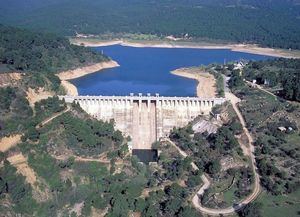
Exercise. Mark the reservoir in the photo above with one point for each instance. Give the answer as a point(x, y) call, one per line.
point(147, 70)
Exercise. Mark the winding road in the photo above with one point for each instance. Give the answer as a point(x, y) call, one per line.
point(206, 183)
point(46, 121)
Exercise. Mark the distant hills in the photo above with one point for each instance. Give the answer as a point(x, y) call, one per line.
point(272, 23)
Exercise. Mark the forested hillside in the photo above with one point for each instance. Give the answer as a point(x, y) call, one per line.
point(37, 58)
point(269, 23)
point(28, 51)
point(64, 162)
point(282, 74)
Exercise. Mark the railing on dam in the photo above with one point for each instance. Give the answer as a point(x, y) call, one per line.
point(147, 98)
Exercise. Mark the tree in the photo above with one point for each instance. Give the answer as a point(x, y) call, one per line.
point(188, 211)
point(213, 167)
point(140, 204)
point(236, 80)
point(251, 210)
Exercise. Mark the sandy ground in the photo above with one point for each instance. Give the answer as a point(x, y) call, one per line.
point(71, 89)
point(246, 48)
point(79, 72)
point(206, 82)
point(95, 43)
point(98, 212)
point(7, 79)
point(8, 142)
point(34, 96)
point(21, 164)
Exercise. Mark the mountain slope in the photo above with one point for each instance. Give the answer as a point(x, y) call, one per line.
point(272, 23)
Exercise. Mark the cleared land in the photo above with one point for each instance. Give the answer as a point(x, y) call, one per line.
point(7, 79)
point(20, 162)
point(34, 96)
point(8, 142)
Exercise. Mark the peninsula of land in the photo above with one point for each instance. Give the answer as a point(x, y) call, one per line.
point(246, 48)
point(65, 76)
point(206, 87)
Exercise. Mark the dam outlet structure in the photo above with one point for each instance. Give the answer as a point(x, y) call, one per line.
point(148, 118)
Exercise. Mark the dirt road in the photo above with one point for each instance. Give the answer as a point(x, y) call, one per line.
point(52, 117)
point(206, 183)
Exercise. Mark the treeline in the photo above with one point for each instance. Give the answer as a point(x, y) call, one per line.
point(29, 51)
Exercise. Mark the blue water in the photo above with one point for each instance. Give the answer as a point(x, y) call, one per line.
point(147, 70)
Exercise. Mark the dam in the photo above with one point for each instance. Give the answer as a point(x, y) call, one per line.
point(147, 118)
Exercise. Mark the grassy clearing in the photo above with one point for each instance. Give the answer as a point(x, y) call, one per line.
point(293, 140)
point(218, 187)
point(279, 206)
point(229, 196)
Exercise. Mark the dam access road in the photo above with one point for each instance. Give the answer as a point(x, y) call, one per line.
point(206, 182)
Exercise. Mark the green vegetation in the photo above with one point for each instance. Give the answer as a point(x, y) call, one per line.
point(275, 124)
point(83, 166)
point(276, 151)
point(251, 210)
point(20, 193)
point(282, 74)
point(39, 56)
point(206, 151)
point(230, 187)
point(219, 83)
point(86, 136)
point(14, 111)
point(279, 205)
point(116, 185)
point(27, 51)
point(268, 23)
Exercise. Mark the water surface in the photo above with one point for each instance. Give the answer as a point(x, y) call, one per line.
point(147, 70)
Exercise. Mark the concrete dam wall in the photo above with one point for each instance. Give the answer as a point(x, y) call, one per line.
point(145, 118)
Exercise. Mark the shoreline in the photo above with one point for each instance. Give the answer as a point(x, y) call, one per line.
point(205, 86)
point(246, 48)
point(65, 76)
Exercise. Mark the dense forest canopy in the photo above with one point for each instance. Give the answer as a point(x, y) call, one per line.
point(281, 73)
point(269, 23)
point(28, 51)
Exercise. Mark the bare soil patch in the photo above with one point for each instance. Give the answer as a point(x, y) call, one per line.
point(8, 142)
point(21, 164)
point(37, 95)
point(10, 79)
point(79, 72)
